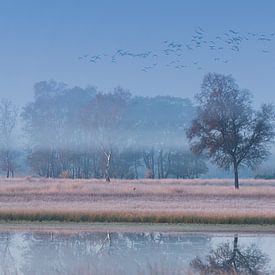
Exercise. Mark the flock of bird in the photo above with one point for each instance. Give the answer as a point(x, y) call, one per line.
point(175, 55)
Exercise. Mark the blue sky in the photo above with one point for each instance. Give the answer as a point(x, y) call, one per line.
point(43, 40)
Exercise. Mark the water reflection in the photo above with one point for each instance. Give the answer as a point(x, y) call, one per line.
point(233, 259)
point(128, 253)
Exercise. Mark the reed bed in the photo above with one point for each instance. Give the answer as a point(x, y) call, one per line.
point(202, 201)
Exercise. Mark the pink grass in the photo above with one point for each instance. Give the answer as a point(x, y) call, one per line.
point(156, 200)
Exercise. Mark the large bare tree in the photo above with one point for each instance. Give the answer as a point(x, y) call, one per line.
point(227, 127)
point(233, 259)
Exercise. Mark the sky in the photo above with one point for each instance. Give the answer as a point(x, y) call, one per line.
point(149, 47)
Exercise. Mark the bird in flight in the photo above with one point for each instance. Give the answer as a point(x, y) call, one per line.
point(225, 44)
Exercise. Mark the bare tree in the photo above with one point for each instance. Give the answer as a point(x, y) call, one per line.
point(102, 117)
point(184, 164)
point(233, 259)
point(149, 161)
point(8, 118)
point(227, 127)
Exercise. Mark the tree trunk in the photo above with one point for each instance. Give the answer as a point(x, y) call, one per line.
point(8, 164)
point(136, 169)
point(107, 168)
point(236, 173)
point(160, 165)
point(153, 163)
point(234, 254)
point(168, 165)
point(235, 246)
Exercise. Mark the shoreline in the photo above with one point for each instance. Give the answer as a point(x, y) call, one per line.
point(135, 217)
point(73, 228)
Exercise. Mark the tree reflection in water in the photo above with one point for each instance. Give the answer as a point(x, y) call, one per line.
point(124, 253)
point(98, 252)
point(233, 259)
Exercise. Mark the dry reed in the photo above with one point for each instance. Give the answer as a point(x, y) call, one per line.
point(152, 201)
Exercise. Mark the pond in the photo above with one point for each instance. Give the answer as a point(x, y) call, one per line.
point(135, 253)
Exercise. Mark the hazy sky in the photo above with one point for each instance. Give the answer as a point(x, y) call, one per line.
point(43, 40)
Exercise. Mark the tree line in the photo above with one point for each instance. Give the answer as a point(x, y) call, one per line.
point(84, 133)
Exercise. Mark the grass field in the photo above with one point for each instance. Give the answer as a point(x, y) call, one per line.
point(151, 201)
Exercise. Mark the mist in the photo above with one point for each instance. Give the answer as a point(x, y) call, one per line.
point(70, 131)
point(63, 71)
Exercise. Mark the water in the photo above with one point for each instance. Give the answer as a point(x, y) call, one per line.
point(135, 253)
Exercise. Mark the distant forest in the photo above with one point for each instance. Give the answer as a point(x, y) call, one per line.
point(84, 133)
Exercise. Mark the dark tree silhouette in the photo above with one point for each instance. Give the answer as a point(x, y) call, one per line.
point(227, 128)
point(232, 259)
